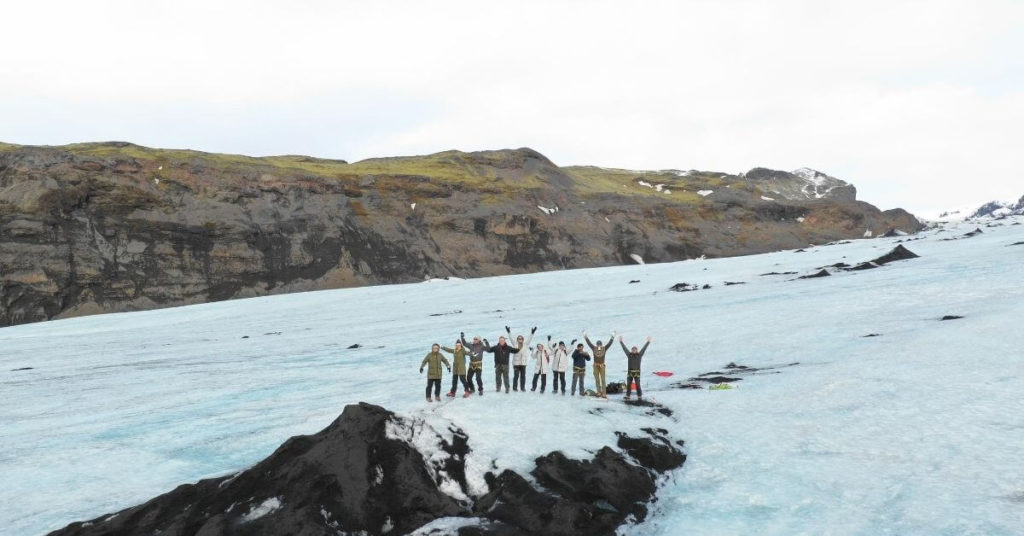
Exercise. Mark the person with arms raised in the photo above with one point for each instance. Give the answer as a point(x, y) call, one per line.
point(501, 352)
point(579, 368)
point(519, 361)
point(476, 362)
point(600, 350)
point(633, 357)
point(459, 364)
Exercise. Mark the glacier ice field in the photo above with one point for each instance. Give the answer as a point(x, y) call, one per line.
point(918, 430)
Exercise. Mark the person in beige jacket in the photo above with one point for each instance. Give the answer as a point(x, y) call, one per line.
point(599, 350)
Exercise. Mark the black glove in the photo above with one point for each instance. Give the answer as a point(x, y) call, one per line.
point(462, 334)
point(549, 337)
point(533, 330)
point(508, 330)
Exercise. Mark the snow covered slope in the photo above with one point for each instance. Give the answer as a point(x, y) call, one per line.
point(918, 430)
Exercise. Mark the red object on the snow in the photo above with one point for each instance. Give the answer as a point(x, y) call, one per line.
point(664, 373)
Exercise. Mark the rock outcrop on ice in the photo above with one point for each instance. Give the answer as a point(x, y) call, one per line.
point(373, 472)
point(106, 227)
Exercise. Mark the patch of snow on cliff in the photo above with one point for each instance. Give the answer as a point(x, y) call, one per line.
point(767, 198)
point(424, 438)
point(268, 506)
point(412, 206)
point(548, 211)
point(447, 525)
point(868, 233)
point(637, 258)
point(705, 193)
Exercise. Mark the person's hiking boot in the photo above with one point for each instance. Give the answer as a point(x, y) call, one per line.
point(466, 394)
point(451, 394)
point(506, 390)
point(627, 397)
point(430, 399)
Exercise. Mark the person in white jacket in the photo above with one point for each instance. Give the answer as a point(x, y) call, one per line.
point(519, 360)
point(540, 369)
point(559, 364)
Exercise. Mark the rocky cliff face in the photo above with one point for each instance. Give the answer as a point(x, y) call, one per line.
point(93, 228)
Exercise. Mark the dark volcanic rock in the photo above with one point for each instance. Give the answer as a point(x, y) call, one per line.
point(361, 475)
point(349, 477)
point(687, 287)
point(715, 379)
point(822, 273)
point(951, 317)
point(779, 273)
point(651, 408)
point(898, 253)
point(608, 478)
point(659, 455)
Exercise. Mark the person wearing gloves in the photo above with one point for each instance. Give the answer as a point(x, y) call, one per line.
point(600, 350)
point(433, 363)
point(459, 364)
point(579, 368)
point(633, 357)
point(540, 369)
point(501, 353)
point(476, 362)
point(559, 363)
point(519, 361)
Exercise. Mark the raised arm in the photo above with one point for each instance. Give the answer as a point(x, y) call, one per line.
point(644, 349)
point(488, 347)
point(590, 344)
point(462, 337)
point(610, 341)
point(449, 350)
point(624, 349)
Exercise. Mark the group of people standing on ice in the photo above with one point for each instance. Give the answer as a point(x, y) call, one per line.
point(550, 357)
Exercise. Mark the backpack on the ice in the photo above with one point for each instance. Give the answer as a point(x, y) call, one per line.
point(616, 388)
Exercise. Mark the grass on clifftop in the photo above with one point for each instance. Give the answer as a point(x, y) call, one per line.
point(493, 173)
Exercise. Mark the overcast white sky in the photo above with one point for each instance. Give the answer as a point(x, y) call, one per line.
point(919, 104)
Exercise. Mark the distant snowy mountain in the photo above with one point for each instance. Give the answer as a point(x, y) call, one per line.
point(998, 209)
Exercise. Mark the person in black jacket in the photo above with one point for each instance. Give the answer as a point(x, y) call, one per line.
point(633, 357)
point(501, 352)
point(579, 368)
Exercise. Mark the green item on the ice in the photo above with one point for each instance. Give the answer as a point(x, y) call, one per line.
point(720, 387)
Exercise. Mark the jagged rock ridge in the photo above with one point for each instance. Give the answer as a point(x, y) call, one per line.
point(361, 474)
point(93, 228)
